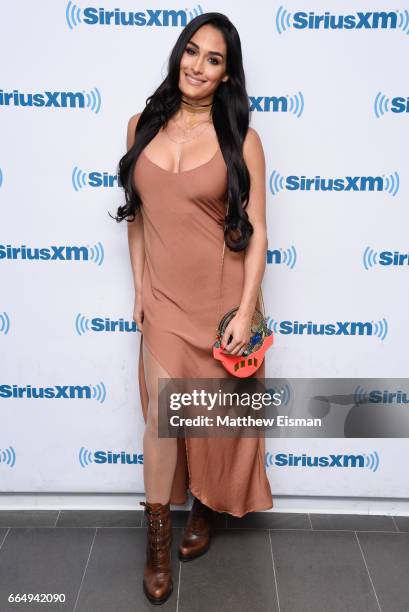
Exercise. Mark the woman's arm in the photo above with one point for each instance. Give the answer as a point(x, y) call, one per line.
point(255, 254)
point(135, 238)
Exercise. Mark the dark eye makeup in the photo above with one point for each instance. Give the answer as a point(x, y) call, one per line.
point(188, 49)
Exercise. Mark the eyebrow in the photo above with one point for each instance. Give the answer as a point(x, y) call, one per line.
point(210, 52)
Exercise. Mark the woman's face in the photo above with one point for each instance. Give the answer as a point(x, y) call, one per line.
point(203, 64)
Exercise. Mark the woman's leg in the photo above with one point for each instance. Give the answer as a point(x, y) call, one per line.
point(160, 454)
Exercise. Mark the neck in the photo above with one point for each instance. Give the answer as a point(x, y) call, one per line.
point(196, 105)
point(195, 109)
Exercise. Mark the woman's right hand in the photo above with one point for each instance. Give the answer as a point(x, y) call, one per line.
point(138, 311)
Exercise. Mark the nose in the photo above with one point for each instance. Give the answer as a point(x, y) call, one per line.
point(197, 65)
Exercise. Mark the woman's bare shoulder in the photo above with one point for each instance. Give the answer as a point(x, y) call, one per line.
point(132, 125)
point(133, 121)
point(253, 148)
point(252, 138)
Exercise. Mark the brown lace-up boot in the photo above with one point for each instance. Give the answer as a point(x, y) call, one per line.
point(197, 533)
point(157, 576)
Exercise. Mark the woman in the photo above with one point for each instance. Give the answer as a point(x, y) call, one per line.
point(191, 154)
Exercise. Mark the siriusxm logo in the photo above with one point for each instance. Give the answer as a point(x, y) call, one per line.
point(81, 179)
point(389, 184)
point(379, 20)
point(286, 257)
point(370, 462)
point(274, 104)
point(84, 324)
point(86, 457)
point(285, 391)
point(4, 323)
point(93, 254)
point(98, 324)
point(339, 328)
point(8, 456)
point(383, 104)
point(373, 258)
point(376, 396)
point(91, 392)
point(53, 99)
point(92, 16)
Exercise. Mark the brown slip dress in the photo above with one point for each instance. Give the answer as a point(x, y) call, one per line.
point(180, 293)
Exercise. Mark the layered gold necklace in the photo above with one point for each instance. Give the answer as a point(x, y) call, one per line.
point(194, 110)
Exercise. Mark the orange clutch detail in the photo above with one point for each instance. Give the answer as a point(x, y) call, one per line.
point(250, 360)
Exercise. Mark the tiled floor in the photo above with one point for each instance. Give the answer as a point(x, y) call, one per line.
point(262, 562)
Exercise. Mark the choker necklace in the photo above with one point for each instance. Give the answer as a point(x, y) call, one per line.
point(196, 106)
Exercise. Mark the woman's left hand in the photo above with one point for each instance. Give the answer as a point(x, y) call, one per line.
point(239, 327)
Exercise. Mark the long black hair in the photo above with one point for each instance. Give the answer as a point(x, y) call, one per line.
point(230, 114)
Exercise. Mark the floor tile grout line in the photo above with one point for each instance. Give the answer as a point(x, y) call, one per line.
point(85, 569)
point(5, 536)
point(179, 580)
point(313, 530)
point(58, 516)
point(395, 523)
point(274, 570)
point(367, 569)
point(186, 513)
point(399, 532)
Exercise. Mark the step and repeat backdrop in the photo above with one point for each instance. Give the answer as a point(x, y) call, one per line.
point(329, 96)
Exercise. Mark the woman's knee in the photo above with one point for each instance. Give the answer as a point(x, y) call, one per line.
point(152, 422)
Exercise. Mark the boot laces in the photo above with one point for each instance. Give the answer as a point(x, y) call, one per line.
point(157, 536)
point(199, 514)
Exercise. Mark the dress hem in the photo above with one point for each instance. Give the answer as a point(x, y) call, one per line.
point(236, 514)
